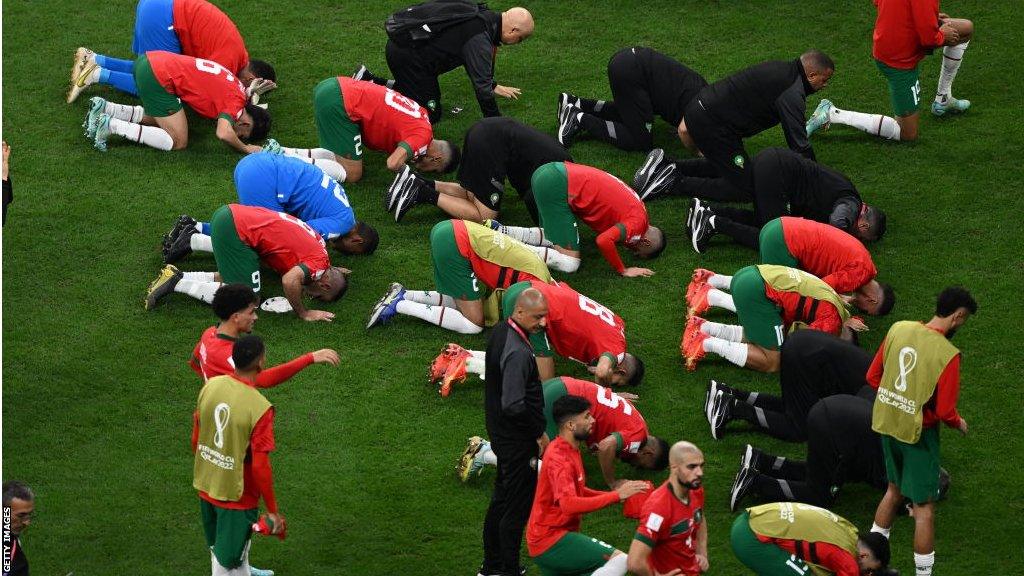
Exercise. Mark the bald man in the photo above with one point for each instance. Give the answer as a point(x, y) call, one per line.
point(672, 537)
point(429, 39)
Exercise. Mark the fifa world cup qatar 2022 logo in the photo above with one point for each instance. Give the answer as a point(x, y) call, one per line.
point(907, 361)
point(221, 415)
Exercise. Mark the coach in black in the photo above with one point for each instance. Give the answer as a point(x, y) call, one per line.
point(429, 39)
point(786, 183)
point(514, 405)
point(645, 83)
point(494, 149)
point(737, 107)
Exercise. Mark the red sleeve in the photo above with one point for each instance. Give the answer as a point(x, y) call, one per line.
point(850, 277)
point(261, 444)
point(837, 560)
point(926, 23)
point(193, 363)
point(273, 376)
point(874, 375)
point(195, 430)
point(827, 319)
point(947, 392)
point(652, 529)
point(606, 243)
point(585, 504)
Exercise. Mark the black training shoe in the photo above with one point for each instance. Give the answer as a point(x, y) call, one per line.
point(566, 100)
point(183, 222)
point(162, 286)
point(362, 73)
point(403, 180)
point(642, 176)
point(406, 195)
point(756, 459)
point(702, 227)
point(568, 125)
point(741, 485)
point(180, 246)
point(721, 413)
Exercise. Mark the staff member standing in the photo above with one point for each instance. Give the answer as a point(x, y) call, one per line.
point(429, 39)
point(514, 406)
point(917, 374)
point(232, 437)
point(20, 502)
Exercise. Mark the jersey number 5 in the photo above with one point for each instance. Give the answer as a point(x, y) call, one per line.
point(588, 305)
point(606, 397)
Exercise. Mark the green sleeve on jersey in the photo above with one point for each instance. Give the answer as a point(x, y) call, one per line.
point(644, 539)
point(612, 357)
point(408, 150)
point(622, 232)
point(618, 442)
point(305, 272)
point(227, 117)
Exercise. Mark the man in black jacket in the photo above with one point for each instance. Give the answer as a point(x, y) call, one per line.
point(737, 107)
point(495, 149)
point(788, 184)
point(19, 505)
point(514, 406)
point(429, 39)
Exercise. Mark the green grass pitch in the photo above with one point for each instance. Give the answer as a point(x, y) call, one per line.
point(97, 395)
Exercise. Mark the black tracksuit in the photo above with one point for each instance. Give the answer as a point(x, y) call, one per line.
point(786, 183)
point(473, 44)
point(736, 107)
point(498, 148)
point(514, 405)
point(645, 83)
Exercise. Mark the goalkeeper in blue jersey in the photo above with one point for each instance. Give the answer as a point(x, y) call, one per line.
point(289, 185)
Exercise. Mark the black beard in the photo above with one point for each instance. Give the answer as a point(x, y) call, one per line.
point(582, 438)
point(692, 485)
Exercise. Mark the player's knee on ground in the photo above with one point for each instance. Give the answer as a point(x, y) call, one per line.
point(353, 168)
point(908, 127)
point(964, 27)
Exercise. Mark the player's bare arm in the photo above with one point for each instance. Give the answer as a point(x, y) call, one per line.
point(292, 284)
point(606, 451)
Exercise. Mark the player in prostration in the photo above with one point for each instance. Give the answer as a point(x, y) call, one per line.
point(494, 150)
point(289, 185)
point(645, 83)
point(917, 374)
point(243, 237)
point(471, 262)
point(194, 28)
point(565, 191)
point(839, 259)
point(235, 306)
point(166, 81)
point(562, 498)
point(904, 33)
point(770, 301)
point(785, 538)
point(672, 536)
point(619, 431)
point(352, 115)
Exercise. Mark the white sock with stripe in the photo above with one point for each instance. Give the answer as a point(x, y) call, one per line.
point(880, 530)
point(200, 276)
point(475, 365)
point(951, 58)
point(735, 352)
point(720, 281)
point(555, 259)
point(149, 135)
point(874, 124)
point(124, 112)
point(201, 243)
point(728, 332)
point(923, 563)
point(198, 289)
point(720, 299)
point(430, 297)
point(328, 165)
point(531, 236)
point(448, 318)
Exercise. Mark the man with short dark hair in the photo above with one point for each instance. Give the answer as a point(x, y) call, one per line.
point(565, 191)
point(917, 374)
point(739, 106)
point(645, 83)
point(839, 259)
point(235, 306)
point(426, 40)
point(242, 238)
point(20, 503)
point(232, 437)
point(514, 408)
point(673, 533)
point(194, 28)
point(494, 149)
point(289, 185)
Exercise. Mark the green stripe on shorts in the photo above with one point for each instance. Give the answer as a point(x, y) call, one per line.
point(772, 244)
point(236, 261)
point(761, 320)
point(550, 185)
point(337, 132)
point(156, 100)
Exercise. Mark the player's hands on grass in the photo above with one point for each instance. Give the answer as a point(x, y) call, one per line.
point(702, 562)
point(326, 356)
point(962, 427)
point(628, 396)
point(630, 487)
point(634, 272)
point(856, 324)
point(278, 523)
point(314, 315)
point(507, 92)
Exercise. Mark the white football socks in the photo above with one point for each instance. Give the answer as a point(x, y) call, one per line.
point(735, 352)
point(923, 563)
point(720, 299)
point(489, 457)
point(201, 243)
point(880, 530)
point(124, 112)
point(200, 276)
point(951, 58)
point(430, 297)
point(720, 281)
point(874, 124)
point(330, 167)
point(614, 567)
point(728, 332)
point(198, 289)
point(555, 259)
point(149, 135)
point(531, 236)
point(448, 318)
point(475, 365)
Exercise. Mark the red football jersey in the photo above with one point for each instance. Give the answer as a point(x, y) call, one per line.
point(561, 485)
point(904, 29)
point(207, 87)
point(490, 274)
point(826, 317)
point(212, 354)
point(578, 327)
point(206, 32)
point(387, 119)
point(603, 201)
point(281, 240)
point(829, 253)
point(613, 415)
point(670, 528)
